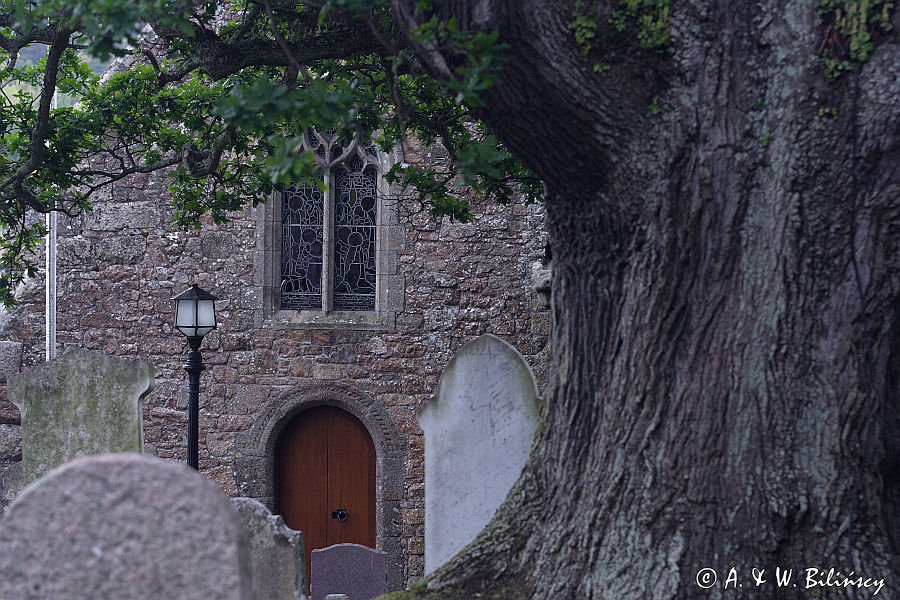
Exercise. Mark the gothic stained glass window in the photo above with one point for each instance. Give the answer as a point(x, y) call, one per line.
point(354, 237)
point(302, 216)
point(328, 252)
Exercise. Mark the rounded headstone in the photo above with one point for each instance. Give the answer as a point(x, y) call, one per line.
point(352, 569)
point(479, 428)
point(123, 526)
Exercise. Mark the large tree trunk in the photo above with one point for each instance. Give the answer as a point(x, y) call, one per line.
point(726, 293)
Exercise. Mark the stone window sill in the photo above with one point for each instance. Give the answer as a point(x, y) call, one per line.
point(317, 319)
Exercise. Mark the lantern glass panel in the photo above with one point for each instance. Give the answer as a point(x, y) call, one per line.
point(186, 316)
point(206, 316)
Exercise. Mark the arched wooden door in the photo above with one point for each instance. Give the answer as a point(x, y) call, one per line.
point(325, 479)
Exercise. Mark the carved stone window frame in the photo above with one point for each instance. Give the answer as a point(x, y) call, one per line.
point(389, 287)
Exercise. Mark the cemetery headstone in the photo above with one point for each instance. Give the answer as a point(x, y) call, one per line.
point(352, 569)
point(10, 362)
point(479, 428)
point(10, 464)
point(123, 526)
point(10, 358)
point(277, 557)
point(80, 403)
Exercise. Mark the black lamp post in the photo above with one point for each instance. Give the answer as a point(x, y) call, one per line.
point(195, 316)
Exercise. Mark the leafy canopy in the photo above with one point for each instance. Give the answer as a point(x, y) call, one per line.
point(219, 94)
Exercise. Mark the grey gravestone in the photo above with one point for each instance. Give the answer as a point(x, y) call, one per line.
point(10, 464)
point(10, 443)
point(357, 571)
point(81, 403)
point(479, 429)
point(123, 526)
point(10, 358)
point(279, 565)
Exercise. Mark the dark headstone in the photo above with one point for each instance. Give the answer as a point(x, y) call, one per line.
point(350, 569)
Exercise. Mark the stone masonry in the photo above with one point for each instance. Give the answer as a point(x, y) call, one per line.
point(120, 264)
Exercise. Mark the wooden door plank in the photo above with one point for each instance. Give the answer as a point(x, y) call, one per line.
point(302, 477)
point(351, 480)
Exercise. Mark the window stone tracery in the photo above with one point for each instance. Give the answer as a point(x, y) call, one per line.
point(328, 254)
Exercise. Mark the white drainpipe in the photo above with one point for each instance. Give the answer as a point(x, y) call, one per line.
point(50, 295)
point(50, 312)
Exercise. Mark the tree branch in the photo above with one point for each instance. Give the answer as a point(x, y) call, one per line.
point(282, 43)
point(220, 57)
point(165, 77)
point(203, 163)
point(38, 135)
point(247, 25)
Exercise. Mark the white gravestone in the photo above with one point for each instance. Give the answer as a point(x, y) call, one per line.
point(119, 526)
point(479, 429)
point(83, 402)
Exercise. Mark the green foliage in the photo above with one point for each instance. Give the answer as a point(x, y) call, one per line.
point(834, 68)
point(649, 17)
point(15, 255)
point(108, 27)
point(227, 124)
point(477, 56)
point(852, 28)
point(584, 26)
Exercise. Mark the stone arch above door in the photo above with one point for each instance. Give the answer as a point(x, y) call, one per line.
point(255, 452)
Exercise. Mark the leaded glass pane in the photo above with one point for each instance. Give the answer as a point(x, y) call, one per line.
point(312, 140)
point(302, 214)
point(354, 239)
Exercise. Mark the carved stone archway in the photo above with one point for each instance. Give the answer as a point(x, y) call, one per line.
point(255, 453)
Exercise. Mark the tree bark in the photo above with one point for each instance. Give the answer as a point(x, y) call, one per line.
point(726, 302)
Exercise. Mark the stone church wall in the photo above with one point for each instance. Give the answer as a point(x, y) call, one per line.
point(120, 264)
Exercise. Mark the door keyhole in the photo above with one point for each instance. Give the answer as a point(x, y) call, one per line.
point(340, 514)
